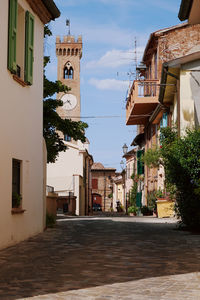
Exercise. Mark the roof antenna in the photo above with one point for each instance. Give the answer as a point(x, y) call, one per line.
point(68, 25)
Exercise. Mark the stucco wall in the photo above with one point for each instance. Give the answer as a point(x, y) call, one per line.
point(66, 173)
point(186, 102)
point(21, 138)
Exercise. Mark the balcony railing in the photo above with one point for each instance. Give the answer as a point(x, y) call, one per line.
point(142, 99)
point(147, 89)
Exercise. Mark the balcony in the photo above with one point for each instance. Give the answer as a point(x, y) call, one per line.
point(142, 101)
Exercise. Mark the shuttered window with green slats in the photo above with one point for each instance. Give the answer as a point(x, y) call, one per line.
point(29, 43)
point(13, 49)
point(12, 36)
point(140, 164)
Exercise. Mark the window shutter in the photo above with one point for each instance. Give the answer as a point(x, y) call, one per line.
point(12, 36)
point(165, 120)
point(29, 41)
point(140, 165)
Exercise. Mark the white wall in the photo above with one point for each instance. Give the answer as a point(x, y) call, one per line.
point(64, 174)
point(21, 138)
point(186, 102)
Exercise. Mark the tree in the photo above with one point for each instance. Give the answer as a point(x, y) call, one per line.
point(53, 123)
point(181, 160)
point(180, 157)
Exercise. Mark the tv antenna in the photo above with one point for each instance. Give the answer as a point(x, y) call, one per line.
point(68, 25)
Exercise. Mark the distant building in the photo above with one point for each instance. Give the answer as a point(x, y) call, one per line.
point(102, 186)
point(119, 191)
point(70, 174)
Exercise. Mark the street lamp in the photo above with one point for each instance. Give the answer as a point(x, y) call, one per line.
point(122, 164)
point(125, 149)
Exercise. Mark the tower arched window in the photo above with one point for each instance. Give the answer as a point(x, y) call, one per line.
point(68, 71)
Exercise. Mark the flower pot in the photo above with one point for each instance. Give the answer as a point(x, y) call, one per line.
point(165, 207)
point(132, 214)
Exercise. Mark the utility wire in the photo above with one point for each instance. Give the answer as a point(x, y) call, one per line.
point(108, 117)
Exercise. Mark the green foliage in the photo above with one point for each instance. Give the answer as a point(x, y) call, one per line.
point(146, 211)
point(160, 193)
point(171, 190)
point(151, 158)
point(151, 200)
point(53, 123)
point(16, 199)
point(133, 191)
point(181, 160)
point(50, 220)
point(132, 209)
point(110, 196)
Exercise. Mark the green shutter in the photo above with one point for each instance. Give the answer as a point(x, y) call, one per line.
point(140, 164)
point(139, 199)
point(29, 41)
point(12, 36)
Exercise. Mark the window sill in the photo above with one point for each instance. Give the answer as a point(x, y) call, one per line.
point(17, 210)
point(19, 80)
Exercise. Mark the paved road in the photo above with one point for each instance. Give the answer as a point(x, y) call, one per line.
point(106, 258)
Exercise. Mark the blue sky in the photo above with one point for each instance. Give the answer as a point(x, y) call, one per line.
point(109, 29)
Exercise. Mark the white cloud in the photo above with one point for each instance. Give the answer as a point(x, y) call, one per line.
point(115, 58)
point(109, 84)
point(100, 34)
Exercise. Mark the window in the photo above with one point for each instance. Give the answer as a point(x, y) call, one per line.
point(155, 65)
point(67, 138)
point(68, 71)
point(16, 183)
point(20, 42)
point(164, 121)
point(95, 183)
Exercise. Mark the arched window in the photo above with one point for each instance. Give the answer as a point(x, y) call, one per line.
point(72, 51)
point(68, 71)
point(68, 51)
point(76, 53)
point(64, 51)
point(60, 51)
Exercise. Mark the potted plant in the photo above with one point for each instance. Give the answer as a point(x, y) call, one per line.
point(160, 195)
point(151, 202)
point(165, 206)
point(16, 200)
point(132, 210)
point(146, 211)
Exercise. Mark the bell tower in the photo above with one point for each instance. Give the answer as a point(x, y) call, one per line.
point(69, 53)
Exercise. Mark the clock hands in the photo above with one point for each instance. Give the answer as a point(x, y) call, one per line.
point(68, 101)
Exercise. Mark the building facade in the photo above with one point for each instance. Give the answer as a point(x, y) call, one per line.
point(144, 107)
point(22, 171)
point(102, 186)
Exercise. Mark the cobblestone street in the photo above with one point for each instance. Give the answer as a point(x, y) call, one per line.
point(104, 258)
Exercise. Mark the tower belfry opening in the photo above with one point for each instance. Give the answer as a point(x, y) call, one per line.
point(68, 71)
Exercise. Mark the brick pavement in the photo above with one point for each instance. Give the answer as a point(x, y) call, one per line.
point(104, 258)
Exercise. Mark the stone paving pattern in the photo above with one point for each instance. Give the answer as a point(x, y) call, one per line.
point(106, 258)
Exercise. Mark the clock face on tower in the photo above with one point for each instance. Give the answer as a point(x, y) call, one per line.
point(69, 101)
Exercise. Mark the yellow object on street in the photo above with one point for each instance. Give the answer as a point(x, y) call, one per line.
point(165, 208)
